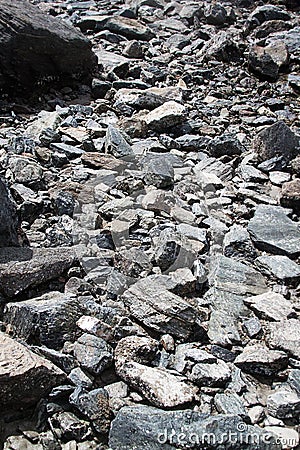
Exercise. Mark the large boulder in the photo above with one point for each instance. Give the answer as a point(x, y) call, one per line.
point(8, 217)
point(34, 47)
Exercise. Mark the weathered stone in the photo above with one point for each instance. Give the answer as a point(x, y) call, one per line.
point(237, 244)
point(52, 48)
point(270, 306)
point(267, 61)
point(165, 116)
point(24, 376)
point(259, 360)
point(47, 320)
point(271, 230)
point(130, 28)
point(285, 335)
point(142, 426)
point(291, 195)
point(152, 304)
point(284, 404)
point(225, 145)
point(21, 268)
point(93, 353)
point(116, 144)
point(279, 266)
point(276, 140)
point(230, 404)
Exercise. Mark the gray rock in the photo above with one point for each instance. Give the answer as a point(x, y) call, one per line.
point(225, 145)
point(294, 380)
point(53, 48)
point(252, 326)
point(284, 404)
point(271, 306)
point(21, 268)
point(279, 266)
point(223, 46)
point(115, 143)
point(259, 360)
point(158, 170)
point(285, 335)
point(265, 13)
point(267, 61)
point(130, 28)
point(93, 353)
point(94, 405)
point(47, 320)
point(237, 244)
point(70, 426)
point(9, 220)
point(271, 230)
point(146, 427)
point(230, 404)
point(276, 140)
point(152, 304)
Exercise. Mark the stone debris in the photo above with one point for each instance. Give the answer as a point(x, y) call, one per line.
point(149, 224)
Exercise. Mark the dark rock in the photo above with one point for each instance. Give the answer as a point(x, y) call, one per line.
point(276, 140)
point(259, 360)
point(24, 376)
point(25, 267)
point(144, 426)
point(9, 220)
point(265, 13)
point(93, 353)
point(100, 88)
point(52, 48)
point(48, 320)
point(291, 195)
point(267, 61)
point(225, 145)
point(115, 143)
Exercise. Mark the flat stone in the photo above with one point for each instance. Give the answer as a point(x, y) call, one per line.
point(130, 28)
point(25, 377)
point(152, 304)
point(21, 268)
point(270, 306)
point(271, 230)
point(285, 335)
point(279, 266)
point(259, 360)
point(147, 427)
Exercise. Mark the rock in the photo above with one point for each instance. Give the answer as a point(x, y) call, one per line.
point(288, 436)
point(144, 426)
point(237, 244)
point(21, 268)
point(158, 170)
point(165, 116)
point(130, 28)
point(278, 178)
point(215, 14)
point(70, 426)
point(93, 353)
point(284, 404)
point(9, 220)
point(291, 195)
point(285, 335)
point(26, 171)
point(230, 404)
point(200, 366)
point(253, 327)
point(267, 61)
point(294, 380)
point(64, 51)
point(94, 405)
point(225, 145)
point(222, 46)
point(270, 306)
point(24, 376)
point(279, 266)
point(259, 360)
point(153, 305)
point(100, 88)
point(265, 13)
point(115, 143)
point(271, 230)
point(160, 387)
point(276, 140)
point(47, 320)
point(133, 50)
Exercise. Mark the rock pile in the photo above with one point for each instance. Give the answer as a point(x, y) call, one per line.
point(150, 238)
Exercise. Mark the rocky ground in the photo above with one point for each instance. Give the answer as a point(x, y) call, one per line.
point(150, 238)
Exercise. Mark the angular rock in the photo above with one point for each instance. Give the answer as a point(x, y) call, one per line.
point(276, 140)
point(9, 220)
point(165, 116)
point(285, 335)
point(24, 376)
point(52, 48)
point(270, 306)
point(47, 320)
point(279, 266)
point(291, 195)
point(225, 145)
point(93, 353)
point(153, 305)
point(284, 404)
point(130, 28)
point(115, 143)
point(259, 360)
point(230, 404)
point(267, 61)
point(147, 427)
point(271, 230)
point(21, 268)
